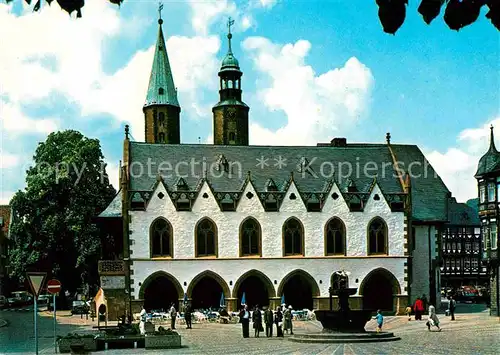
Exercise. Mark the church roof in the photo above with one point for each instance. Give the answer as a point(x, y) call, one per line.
point(114, 209)
point(161, 89)
point(490, 161)
point(311, 166)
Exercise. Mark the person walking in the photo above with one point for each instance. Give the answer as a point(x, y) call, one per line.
point(257, 321)
point(142, 323)
point(278, 320)
point(452, 306)
point(419, 309)
point(380, 320)
point(433, 320)
point(187, 316)
point(245, 321)
point(288, 320)
point(408, 312)
point(269, 320)
point(173, 316)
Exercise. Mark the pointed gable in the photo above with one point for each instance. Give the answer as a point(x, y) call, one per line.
point(160, 200)
point(161, 89)
point(376, 201)
point(249, 201)
point(293, 200)
point(206, 201)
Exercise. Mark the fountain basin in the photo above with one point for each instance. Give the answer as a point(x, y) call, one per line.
point(353, 321)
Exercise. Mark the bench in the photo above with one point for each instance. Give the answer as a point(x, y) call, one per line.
point(122, 339)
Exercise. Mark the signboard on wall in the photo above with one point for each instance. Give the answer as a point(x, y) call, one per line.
point(113, 282)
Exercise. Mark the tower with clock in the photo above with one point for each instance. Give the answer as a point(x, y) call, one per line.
point(230, 113)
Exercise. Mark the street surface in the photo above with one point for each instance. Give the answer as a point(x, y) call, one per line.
point(473, 332)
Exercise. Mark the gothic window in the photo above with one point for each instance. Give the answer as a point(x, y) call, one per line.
point(161, 118)
point(335, 237)
point(491, 192)
point(206, 238)
point(293, 237)
point(161, 238)
point(161, 91)
point(161, 137)
point(482, 194)
point(377, 237)
point(232, 136)
point(250, 238)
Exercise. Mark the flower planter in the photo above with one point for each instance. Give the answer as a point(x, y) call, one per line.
point(89, 344)
point(167, 341)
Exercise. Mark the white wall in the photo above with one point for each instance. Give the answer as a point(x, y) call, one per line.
point(228, 224)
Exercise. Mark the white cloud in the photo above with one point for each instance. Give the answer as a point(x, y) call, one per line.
point(15, 122)
point(458, 164)
point(8, 160)
point(268, 3)
point(316, 106)
point(5, 197)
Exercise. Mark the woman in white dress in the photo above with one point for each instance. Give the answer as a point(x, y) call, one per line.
point(142, 323)
point(433, 319)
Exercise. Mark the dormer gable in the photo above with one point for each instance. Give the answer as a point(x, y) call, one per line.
point(206, 200)
point(292, 201)
point(160, 198)
point(249, 201)
point(335, 203)
point(376, 200)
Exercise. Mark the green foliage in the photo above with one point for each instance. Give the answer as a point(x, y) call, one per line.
point(163, 331)
point(53, 227)
point(77, 336)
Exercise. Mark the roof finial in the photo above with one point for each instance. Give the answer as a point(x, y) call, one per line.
point(126, 131)
point(160, 7)
point(388, 137)
point(492, 139)
point(230, 22)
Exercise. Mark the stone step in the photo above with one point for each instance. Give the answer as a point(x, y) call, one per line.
point(345, 335)
point(367, 337)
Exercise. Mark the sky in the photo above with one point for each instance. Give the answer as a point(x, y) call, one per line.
point(313, 70)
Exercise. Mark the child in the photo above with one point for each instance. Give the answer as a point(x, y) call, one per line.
point(433, 319)
point(380, 320)
point(408, 312)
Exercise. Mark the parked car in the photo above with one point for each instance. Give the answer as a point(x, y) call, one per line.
point(80, 307)
point(20, 299)
point(44, 302)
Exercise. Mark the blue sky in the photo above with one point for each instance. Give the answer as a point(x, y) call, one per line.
point(313, 70)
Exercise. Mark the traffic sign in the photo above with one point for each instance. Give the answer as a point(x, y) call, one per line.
point(36, 280)
point(53, 286)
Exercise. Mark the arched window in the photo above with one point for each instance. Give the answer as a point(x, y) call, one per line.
point(161, 137)
point(293, 237)
point(250, 238)
point(335, 237)
point(161, 91)
point(232, 136)
point(161, 238)
point(377, 237)
point(161, 118)
point(206, 238)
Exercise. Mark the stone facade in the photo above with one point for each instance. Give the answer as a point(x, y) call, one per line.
point(229, 121)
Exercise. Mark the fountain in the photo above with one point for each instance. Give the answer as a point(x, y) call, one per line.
point(343, 325)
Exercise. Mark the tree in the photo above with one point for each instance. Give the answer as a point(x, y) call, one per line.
point(53, 228)
point(392, 13)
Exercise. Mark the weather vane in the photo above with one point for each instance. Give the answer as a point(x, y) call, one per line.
point(230, 22)
point(160, 7)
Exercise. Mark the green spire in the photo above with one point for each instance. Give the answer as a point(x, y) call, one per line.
point(230, 62)
point(161, 90)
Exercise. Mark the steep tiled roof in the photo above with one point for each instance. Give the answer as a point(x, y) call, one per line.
point(462, 214)
point(311, 167)
point(114, 209)
point(490, 161)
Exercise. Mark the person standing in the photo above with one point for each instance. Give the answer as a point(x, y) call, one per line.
point(288, 320)
point(187, 316)
point(142, 323)
point(269, 320)
point(453, 304)
point(245, 321)
point(424, 301)
point(173, 316)
point(419, 309)
point(433, 319)
point(380, 320)
point(278, 320)
point(257, 321)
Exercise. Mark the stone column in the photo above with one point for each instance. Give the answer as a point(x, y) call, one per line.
point(232, 304)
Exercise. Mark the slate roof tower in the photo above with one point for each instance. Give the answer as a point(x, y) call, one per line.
point(230, 113)
point(161, 109)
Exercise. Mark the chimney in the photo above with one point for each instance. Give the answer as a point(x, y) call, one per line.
point(338, 142)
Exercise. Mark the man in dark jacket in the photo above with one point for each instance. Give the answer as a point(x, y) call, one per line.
point(269, 320)
point(187, 316)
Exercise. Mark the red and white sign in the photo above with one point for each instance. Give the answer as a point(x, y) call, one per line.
point(53, 286)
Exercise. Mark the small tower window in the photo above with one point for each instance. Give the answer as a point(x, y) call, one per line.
point(491, 192)
point(161, 137)
point(232, 136)
point(161, 118)
point(230, 84)
point(482, 194)
point(237, 84)
point(224, 84)
point(161, 91)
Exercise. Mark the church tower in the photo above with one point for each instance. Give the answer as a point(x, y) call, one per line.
point(161, 109)
point(230, 113)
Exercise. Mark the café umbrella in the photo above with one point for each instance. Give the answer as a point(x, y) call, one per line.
point(283, 300)
point(243, 299)
point(222, 301)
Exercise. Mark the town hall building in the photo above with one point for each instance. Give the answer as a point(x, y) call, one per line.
point(209, 223)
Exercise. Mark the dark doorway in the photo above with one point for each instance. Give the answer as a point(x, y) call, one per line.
point(378, 290)
point(159, 294)
point(298, 293)
point(206, 294)
point(256, 292)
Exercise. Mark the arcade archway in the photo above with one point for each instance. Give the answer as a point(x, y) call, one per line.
point(378, 289)
point(299, 289)
point(206, 289)
point(159, 291)
point(257, 288)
